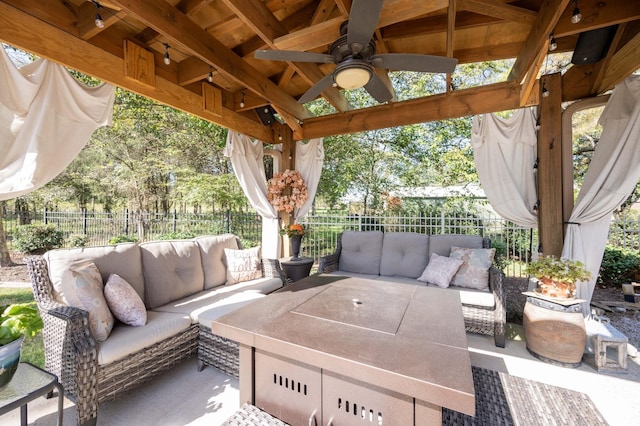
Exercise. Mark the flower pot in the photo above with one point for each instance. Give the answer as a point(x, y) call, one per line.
point(296, 241)
point(9, 359)
point(557, 289)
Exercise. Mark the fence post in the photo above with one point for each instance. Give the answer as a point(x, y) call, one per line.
point(126, 221)
point(175, 219)
point(227, 221)
point(84, 221)
point(44, 216)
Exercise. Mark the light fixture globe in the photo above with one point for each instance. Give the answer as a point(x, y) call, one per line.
point(353, 74)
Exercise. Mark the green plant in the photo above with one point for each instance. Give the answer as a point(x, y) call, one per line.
point(37, 238)
point(123, 239)
point(558, 269)
point(500, 259)
point(292, 230)
point(32, 347)
point(176, 236)
point(77, 240)
point(19, 319)
point(618, 266)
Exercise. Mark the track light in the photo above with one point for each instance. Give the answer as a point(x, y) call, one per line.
point(167, 59)
point(210, 76)
point(576, 16)
point(553, 44)
point(98, 21)
point(242, 100)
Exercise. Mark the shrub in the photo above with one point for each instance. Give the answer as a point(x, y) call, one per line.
point(123, 239)
point(500, 259)
point(37, 238)
point(619, 266)
point(176, 236)
point(77, 240)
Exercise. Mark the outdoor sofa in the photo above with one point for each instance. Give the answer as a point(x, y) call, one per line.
point(180, 286)
point(404, 257)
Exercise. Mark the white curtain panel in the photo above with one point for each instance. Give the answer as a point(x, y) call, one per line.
point(613, 173)
point(309, 160)
point(504, 152)
point(246, 159)
point(46, 117)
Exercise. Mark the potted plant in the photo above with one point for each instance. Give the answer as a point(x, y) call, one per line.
point(16, 322)
point(295, 232)
point(557, 277)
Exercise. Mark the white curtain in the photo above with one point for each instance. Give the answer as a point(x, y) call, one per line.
point(504, 152)
point(246, 158)
point(46, 117)
point(613, 173)
point(309, 160)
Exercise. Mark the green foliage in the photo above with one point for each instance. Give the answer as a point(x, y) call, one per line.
point(77, 240)
point(123, 239)
point(500, 259)
point(20, 319)
point(558, 269)
point(32, 347)
point(619, 266)
point(175, 236)
point(37, 238)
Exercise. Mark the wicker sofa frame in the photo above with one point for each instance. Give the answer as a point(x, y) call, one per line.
point(477, 319)
point(71, 352)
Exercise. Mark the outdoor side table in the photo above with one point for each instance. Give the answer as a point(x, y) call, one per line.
point(28, 383)
point(297, 269)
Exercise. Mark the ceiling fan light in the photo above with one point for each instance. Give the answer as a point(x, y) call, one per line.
point(353, 78)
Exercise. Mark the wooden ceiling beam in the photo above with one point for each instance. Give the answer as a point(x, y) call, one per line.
point(623, 63)
point(87, 27)
point(436, 24)
point(27, 32)
point(460, 103)
point(259, 18)
point(597, 14)
point(181, 31)
point(499, 10)
point(548, 17)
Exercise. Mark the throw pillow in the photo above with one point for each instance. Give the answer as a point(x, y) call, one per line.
point(124, 302)
point(474, 272)
point(82, 286)
point(243, 265)
point(440, 270)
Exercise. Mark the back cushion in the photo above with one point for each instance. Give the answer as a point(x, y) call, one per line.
point(121, 259)
point(213, 259)
point(361, 252)
point(404, 254)
point(172, 270)
point(441, 244)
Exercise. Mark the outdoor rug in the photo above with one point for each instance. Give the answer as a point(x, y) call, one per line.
point(502, 399)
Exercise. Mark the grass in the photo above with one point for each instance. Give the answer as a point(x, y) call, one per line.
point(32, 348)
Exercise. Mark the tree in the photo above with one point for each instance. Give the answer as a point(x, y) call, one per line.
point(5, 256)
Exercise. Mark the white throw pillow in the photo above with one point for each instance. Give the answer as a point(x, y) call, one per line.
point(83, 289)
point(474, 273)
point(243, 265)
point(125, 304)
point(440, 270)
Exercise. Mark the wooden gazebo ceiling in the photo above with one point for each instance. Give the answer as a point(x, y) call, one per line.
point(222, 35)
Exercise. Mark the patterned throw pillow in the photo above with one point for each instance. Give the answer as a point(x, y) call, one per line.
point(474, 272)
point(243, 265)
point(440, 270)
point(124, 302)
point(83, 289)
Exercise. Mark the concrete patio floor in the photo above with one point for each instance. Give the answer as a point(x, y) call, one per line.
point(185, 396)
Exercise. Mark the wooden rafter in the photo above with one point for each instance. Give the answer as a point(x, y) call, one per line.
point(499, 10)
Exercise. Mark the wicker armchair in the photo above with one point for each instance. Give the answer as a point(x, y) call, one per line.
point(477, 319)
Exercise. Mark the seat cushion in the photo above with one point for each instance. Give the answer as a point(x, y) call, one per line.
point(213, 260)
point(472, 297)
point(441, 244)
point(361, 252)
point(404, 254)
point(125, 340)
point(227, 305)
point(172, 270)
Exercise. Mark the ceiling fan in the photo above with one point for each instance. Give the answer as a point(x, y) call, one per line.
point(354, 55)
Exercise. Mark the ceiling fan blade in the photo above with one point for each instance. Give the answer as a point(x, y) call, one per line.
point(414, 62)
point(294, 56)
point(316, 89)
point(363, 20)
point(378, 90)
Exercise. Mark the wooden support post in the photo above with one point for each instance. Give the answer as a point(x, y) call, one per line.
point(550, 213)
point(288, 162)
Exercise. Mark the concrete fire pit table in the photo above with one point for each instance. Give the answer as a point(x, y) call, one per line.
point(339, 348)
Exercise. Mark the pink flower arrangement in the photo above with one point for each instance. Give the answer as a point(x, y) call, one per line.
point(287, 191)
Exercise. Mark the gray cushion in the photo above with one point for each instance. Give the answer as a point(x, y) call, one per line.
point(404, 254)
point(172, 270)
point(441, 244)
point(361, 252)
point(213, 260)
point(121, 259)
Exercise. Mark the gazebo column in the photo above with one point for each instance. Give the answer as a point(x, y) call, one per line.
point(550, 176)
point(288, 162)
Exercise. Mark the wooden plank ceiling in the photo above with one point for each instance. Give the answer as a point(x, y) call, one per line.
point(221, 36)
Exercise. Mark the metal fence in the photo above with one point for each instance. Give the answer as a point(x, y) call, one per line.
point(511, 240)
